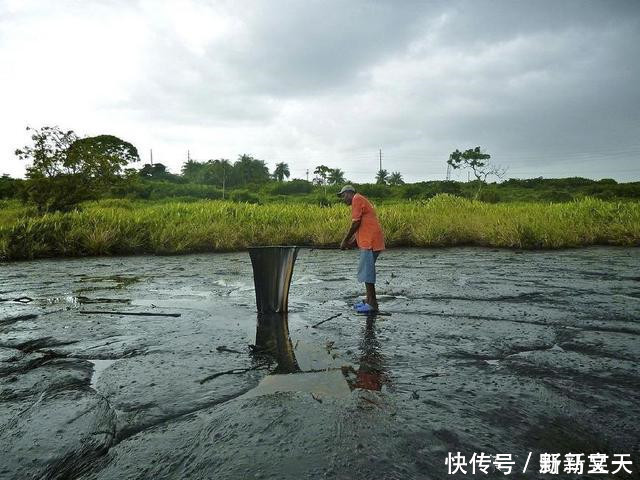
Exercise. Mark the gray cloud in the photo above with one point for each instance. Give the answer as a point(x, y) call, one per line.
point(547, 87)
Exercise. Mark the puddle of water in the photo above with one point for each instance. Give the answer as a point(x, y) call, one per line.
point(112, 282)
point(72, 299)
point(329, 383)
point(317, 357)
point(79, 300)
point(99, 366)
point(306, 280)
point(234, 285)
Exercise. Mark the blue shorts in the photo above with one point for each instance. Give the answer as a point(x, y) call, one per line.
point(367, 266)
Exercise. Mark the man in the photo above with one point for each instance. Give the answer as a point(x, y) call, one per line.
point(368, 236)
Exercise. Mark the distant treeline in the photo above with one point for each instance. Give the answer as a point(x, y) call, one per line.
point(65, 170)
point(167, 185)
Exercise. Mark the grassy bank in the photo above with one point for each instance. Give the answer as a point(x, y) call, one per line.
point(123, 226)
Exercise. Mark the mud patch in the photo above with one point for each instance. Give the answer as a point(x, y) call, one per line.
point(484, 350)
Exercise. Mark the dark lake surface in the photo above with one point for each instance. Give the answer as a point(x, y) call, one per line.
point(147, 367)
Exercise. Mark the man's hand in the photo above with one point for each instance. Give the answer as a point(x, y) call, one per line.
point(349, 239)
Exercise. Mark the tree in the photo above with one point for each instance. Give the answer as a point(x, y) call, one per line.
point(396, 179)
point(382, 177)
point(217, 172)
point(249, 170)
point(100, 158)
point(211, 172)
point(281, 171)
point(193, 171)
point(9, 187)
point(478, 162)
point(336, 176)
point(321, 178)
point(48, 155)
point(154, 171)
point(66, 170)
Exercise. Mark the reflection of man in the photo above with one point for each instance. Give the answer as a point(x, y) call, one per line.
point(371, 373)
point(368, 236)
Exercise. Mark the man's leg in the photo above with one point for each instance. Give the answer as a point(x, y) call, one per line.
point(362, 269)
point(370, 282)
point(374, 299)
point(371, 295)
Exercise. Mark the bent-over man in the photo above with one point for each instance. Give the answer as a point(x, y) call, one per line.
point(368, 236)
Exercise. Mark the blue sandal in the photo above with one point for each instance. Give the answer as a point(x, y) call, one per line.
point(365, 308)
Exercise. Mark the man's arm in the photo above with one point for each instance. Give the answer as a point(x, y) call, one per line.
point(355, 224)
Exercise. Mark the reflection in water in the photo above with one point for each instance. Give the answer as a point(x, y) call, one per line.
point(272, 338)
point(371, 374)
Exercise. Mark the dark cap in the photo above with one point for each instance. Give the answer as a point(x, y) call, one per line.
point(346, 188)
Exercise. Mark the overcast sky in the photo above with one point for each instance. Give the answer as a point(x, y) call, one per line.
point(548, 88)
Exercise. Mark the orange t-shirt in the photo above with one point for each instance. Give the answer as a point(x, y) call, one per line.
point(369, 235)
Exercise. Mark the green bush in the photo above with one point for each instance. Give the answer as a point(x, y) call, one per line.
point(293, 187)
point(323, 200)
point(607, 181)
point(489, 196)
point(62, 193)
point(10, 187)
point(244, 196)
point(628, 190)
point(556, 196)
point(373, 190)
point(410, 191)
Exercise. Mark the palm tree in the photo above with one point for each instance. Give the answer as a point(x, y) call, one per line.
point(382, 177)
point(193, 170)
point(281, 171)
point(336, 176)
point(396, 179)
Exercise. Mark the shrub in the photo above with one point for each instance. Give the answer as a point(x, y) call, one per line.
point(556, 196)
point(293, 187)
point(10, 187)
point(373, 190)
point(244, 196)
point(411, 191)
point(489, 196)
point(61, 193)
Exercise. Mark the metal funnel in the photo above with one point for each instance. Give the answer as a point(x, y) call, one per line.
point(272, 271)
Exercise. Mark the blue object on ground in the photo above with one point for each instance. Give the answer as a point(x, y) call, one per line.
point(365, 308)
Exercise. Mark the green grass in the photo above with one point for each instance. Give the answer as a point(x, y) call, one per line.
point(119, 226)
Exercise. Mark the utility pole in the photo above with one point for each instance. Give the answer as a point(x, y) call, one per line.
point(307, 174)
point(188, 156)
point(151, 155)
point(380, 160)
point(448, 172)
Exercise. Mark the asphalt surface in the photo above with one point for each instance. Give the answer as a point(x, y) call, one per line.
point(159, 367)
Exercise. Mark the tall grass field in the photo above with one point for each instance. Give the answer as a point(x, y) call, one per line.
point(119, 226)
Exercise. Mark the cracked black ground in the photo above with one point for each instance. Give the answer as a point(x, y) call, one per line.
point(484, 350)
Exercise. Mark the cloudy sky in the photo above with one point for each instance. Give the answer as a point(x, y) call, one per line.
point(548, 87)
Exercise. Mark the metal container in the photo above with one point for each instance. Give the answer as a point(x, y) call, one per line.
point(272, 271)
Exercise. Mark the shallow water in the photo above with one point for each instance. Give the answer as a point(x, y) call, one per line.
point(484, 350)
